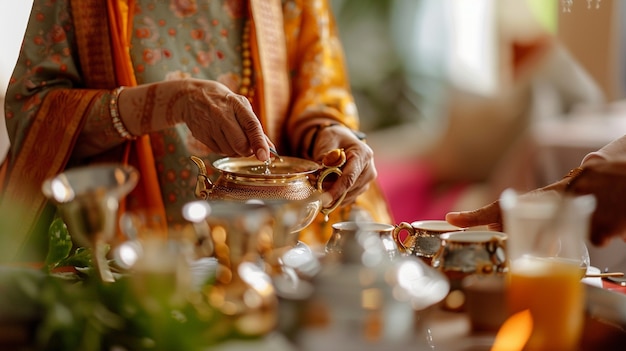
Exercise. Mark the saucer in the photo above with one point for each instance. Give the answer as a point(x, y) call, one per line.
point(595, 281)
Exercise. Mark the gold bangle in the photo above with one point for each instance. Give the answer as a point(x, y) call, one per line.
point(115, 115)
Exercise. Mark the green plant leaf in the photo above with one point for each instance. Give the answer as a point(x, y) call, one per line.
point(60, 243)
point(81, 258)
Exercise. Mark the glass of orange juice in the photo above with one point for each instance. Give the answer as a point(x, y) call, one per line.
point(551, 290)
point(546, 231)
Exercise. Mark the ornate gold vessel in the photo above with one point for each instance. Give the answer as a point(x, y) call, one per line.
point(282, 178)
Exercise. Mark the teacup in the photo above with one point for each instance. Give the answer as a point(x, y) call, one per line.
point(471, 252)
point(343, 230)
point(422, 238)
point(485, 301)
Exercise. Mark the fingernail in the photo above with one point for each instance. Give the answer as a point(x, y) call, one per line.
point(261, 154)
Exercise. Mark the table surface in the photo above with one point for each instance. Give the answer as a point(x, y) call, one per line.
point(605, 327)
point(605, 323)
point(452, 332)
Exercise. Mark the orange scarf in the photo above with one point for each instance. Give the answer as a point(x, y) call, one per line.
point(139, 152)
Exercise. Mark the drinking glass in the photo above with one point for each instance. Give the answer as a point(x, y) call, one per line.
point(547, 253)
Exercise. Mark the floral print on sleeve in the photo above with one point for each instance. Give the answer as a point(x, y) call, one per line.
point(46, 61)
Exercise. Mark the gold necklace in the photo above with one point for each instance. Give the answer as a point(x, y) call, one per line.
point(246, 59)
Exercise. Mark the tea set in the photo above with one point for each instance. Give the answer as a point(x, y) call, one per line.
point(291, 179)
point(248, 215)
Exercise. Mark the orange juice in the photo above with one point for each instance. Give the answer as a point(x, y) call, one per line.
point(551, 290)
point(583, 271)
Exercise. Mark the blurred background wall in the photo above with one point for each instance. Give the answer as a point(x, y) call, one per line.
point(402, 52)
point(460, 91)
point(462, 99)
point(13, 17)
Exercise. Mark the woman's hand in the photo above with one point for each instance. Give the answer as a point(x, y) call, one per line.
point(217, 117)
point(359, 169)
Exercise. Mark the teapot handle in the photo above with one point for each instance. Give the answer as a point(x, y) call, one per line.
point(338, 158)
point(203, 183)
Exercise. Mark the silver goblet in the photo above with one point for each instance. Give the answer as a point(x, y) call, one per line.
point(88, 201)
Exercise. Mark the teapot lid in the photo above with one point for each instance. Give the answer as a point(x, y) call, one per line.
point(251, 166)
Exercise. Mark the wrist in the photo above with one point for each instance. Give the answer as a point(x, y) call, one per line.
point(572, 176)
point(152, 107)
point(116, 119)
point(312, 134)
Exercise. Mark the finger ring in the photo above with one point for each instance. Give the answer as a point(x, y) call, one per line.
point(334, 158)
point(573, 175)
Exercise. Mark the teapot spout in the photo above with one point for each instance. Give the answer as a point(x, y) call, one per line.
point(203, 184)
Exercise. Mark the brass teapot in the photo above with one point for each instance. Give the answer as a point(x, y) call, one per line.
point(281, 178)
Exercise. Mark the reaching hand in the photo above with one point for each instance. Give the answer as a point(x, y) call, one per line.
point(222, 120)
point(605, 180)
point(491, 214)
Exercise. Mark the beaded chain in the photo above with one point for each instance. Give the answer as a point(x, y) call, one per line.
point(246, 73)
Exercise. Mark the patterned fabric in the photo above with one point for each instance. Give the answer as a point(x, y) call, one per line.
point(200, 39)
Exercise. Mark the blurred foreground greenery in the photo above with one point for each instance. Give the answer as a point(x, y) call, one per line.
point(70, 308)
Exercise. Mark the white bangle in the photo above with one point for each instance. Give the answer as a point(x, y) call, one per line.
point(115, 115)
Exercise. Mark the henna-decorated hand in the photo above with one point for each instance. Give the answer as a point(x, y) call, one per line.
point(222, 120)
